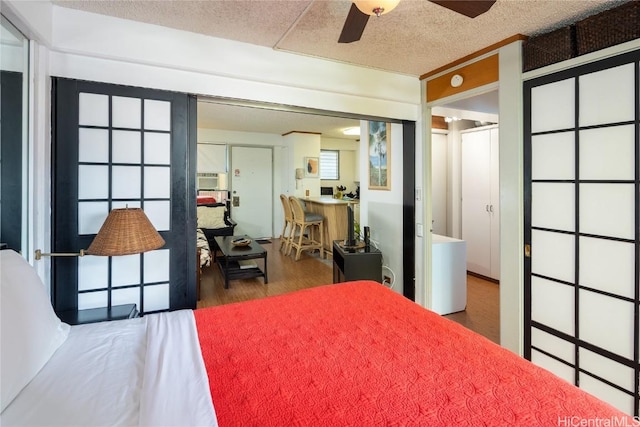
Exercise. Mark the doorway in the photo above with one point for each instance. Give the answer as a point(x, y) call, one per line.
point(236, 122)
point(469, 208)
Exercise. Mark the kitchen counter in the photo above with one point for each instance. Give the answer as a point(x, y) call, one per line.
point(328, 200)
point(334, 212)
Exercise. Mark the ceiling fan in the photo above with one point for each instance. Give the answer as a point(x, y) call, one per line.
point(362, 9)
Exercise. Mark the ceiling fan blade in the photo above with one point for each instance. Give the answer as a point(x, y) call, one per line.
point(353, 25)
point(470, 8)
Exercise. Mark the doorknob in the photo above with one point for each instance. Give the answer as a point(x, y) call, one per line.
point(490, 208)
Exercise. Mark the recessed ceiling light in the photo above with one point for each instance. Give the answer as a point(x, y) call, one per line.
point(352, 131)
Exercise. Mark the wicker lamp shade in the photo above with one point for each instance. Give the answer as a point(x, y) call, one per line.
point(125, 231)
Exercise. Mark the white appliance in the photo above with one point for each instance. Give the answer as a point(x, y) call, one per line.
point(449, 275)
point(208, 181)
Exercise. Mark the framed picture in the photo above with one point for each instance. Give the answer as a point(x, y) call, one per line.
point(379, 156)
point(311, 167)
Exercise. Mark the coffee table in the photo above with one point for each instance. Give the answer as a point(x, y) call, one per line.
point(232, 256)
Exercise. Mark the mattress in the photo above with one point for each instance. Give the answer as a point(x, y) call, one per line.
point(359, 354)
point(145, 371)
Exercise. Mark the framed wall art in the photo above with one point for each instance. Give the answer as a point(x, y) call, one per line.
point(311, 167)
point(379, 156)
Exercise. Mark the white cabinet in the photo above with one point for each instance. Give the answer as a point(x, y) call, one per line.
point(212, 158)
point(480, 200)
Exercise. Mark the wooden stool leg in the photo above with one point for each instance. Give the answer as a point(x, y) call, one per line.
point(292, 235)
point(283, 240)
point(321, 227)
point(292, 227)
point(299, 248)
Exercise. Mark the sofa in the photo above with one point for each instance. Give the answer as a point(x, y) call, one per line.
point(214, 219)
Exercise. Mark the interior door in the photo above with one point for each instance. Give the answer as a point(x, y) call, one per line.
point(116, 146)
point(476, 200)
point(252, 190)
point(582, 225)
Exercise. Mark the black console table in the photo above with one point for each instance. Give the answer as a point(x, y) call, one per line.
point(356, 264)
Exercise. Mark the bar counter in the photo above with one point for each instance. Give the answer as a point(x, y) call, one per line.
point(334, 212)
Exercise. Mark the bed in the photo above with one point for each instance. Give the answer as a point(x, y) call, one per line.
point(349, 354)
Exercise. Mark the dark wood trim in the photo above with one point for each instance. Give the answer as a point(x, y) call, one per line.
point(193, 281)
point(409, 209)
point(480, 276)
point(11, 181)
point(475, 74)
point(526, 153)
point(301, 131)
point(474, 55)
point(636, 312)
point(438, 122)
point(576, 237)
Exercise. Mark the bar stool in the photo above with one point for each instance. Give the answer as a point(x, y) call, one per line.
point(287, 229)
point(301, 222)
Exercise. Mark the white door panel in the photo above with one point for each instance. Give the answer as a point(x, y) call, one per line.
point(252, 190)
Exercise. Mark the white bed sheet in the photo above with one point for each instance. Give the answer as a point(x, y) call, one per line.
point(147, 371)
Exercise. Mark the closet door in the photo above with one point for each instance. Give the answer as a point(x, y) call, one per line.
point(117, 146)
point(582, 223)
point(476, 200)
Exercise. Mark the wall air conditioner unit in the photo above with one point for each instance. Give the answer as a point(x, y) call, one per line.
point(207, 181)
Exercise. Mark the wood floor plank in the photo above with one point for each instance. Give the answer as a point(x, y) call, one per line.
point(285, 275)
point(482, 314)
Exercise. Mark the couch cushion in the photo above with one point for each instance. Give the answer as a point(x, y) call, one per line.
point(211, 216)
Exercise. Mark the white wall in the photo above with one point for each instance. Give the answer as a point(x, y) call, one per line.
point(282, 182)
point(381, 210)
point(33, 18)
point(348, 162)
point(511, 199)
point(303, 145)
point(439, 178)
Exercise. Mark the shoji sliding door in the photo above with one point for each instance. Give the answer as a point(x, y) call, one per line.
point(117, 146)
point(582, 186)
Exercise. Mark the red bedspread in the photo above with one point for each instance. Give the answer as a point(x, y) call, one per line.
point(357, 354)
point(204, 200)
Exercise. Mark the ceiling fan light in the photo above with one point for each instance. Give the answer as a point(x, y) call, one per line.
point(376, 7)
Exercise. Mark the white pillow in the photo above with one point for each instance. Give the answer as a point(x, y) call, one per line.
point(30, 332)
point(211, 216)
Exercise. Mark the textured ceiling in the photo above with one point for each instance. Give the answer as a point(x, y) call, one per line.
point(416, 37)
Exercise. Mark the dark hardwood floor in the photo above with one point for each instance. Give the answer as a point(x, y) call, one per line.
point(482, 314)
point(287, 275)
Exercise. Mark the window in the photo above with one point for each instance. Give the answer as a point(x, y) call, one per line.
point(329, 164)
